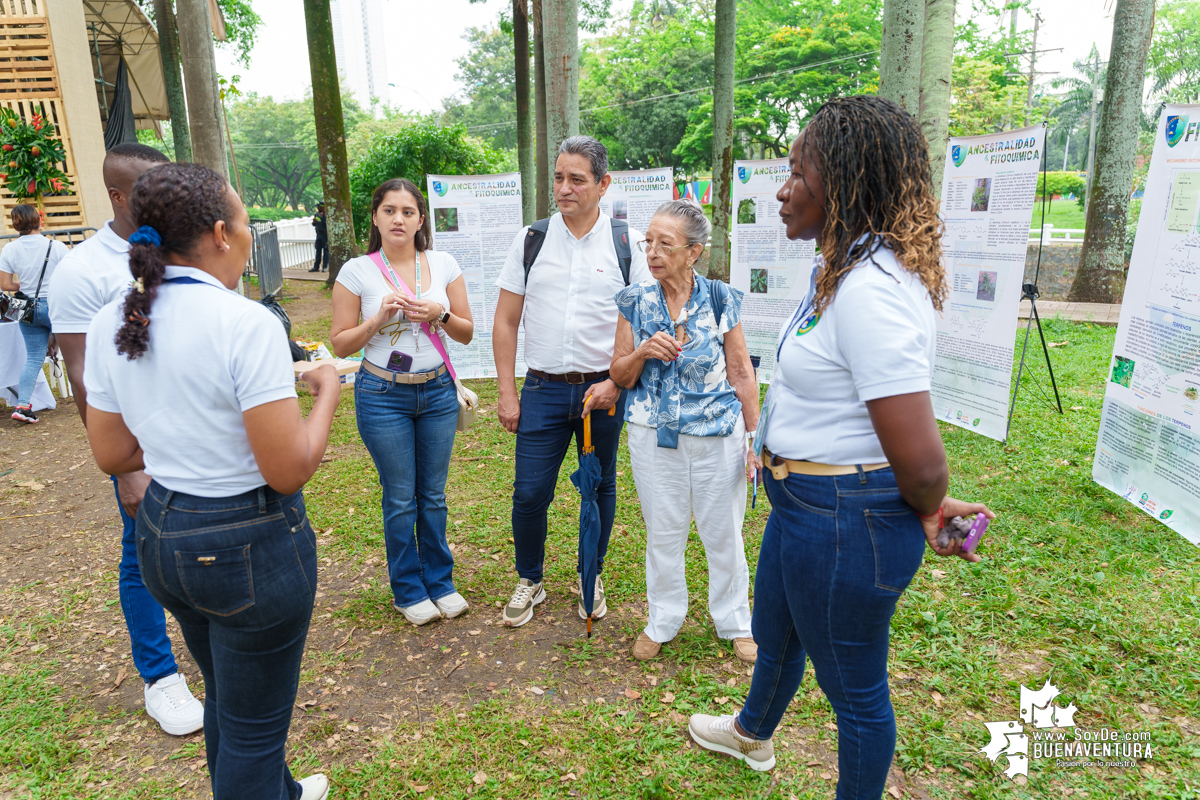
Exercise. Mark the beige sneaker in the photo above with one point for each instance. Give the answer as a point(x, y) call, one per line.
point(718, 734)
point(599, 607)
point(520, 608)
point(645, 648)
point(745, 649)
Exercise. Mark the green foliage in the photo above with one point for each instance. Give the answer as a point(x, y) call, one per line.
point(241, 28)
point(489, 87)
point(277, 214)
point(1061, 184)
point(1174, 59)
point(414, 151)
point(31, 155)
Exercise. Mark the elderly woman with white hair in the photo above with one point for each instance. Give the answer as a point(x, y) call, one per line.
point(681, 350)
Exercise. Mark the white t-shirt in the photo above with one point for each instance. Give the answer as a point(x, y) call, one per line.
point(570, 307)
point(363, 278)
point(24, 257)
point(91, 276)
point(876, 339)
point(212, 355)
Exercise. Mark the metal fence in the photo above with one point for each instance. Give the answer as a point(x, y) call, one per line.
point(297, 253)
point(265, 262)
point(68, 236)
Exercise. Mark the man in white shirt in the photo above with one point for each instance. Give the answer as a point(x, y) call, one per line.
point(563, 274)
point(93, 274)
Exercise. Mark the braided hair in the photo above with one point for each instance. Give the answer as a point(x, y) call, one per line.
point(174, 205)
point(874, 162)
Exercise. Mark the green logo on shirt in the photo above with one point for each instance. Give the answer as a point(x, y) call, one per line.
point(808, 323)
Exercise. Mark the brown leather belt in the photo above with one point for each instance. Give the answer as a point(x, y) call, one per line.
point(574, 378)
point(780, 467)
point(403, 377)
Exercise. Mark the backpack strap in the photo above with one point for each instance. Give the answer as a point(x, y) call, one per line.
point(716, 299)
point(534, 239)
point(620, 234)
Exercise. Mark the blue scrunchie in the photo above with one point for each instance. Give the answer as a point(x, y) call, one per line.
point(146, 235)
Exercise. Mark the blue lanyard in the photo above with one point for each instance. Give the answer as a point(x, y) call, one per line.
point(798, 318)
point(186, 279)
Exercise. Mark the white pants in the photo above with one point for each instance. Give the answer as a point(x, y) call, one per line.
point(705, 478)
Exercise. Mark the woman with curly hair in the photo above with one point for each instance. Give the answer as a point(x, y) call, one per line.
point(853, 460)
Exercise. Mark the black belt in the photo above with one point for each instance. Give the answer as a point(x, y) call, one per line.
point(569, 377)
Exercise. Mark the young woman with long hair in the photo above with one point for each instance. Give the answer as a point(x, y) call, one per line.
point(853, 459)
point(194, 384)
point(398, 304)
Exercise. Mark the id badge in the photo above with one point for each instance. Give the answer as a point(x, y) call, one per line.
point(764, 418)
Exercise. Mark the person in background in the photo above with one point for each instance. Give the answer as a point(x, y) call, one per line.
point(322, 241)
point(853, 459)
point(397, 304)
point(194, 383)
point(681, 352)
point(570, 317)
point(93, 274)
point(26, 265)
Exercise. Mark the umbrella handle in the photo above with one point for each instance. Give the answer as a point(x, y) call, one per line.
point(587, 433)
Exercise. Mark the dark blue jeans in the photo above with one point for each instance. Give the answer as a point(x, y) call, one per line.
point(836, 556)
point(144, 617)
point(409, 429)
point(321, 245)
point(36, 334)
point(240, 575)
point(551, 413)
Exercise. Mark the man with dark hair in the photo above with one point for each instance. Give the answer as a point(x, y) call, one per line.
point(322, 242)
point(563, 274)
point(93, 274)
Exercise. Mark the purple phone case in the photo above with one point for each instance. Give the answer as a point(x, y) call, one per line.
point(400, 362)
point(976, 533)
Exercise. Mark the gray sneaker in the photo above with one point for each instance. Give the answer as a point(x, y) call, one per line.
point(520, 608)
point(599, 607)
point(718, 734)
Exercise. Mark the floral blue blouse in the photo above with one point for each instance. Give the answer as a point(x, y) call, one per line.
point(692, 394)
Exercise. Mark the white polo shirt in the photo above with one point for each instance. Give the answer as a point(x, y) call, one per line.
point(24, 257)
point(91, 276)
point(213, 354)
point(876, 339)
point(570, 307)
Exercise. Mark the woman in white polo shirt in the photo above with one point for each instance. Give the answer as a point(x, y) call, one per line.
point(855, 467)
point(194, 384)
point(397, 304)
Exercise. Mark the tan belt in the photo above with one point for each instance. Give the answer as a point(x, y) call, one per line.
point(403, 377)
point(780, 467)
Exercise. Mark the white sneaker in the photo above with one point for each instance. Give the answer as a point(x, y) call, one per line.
point(316, 787)
point(421, 613)
point(520, 608)
point(719, 735)
point(452, 605)
point(599, 604)
point(171, 704)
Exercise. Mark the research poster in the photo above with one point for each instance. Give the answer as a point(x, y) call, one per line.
point(988, 193)
point(475, 219)
point(771, 270)
point(635, 195)
point(1148, 450)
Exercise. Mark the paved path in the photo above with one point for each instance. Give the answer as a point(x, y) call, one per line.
point(1100, 313)
point(304, 275)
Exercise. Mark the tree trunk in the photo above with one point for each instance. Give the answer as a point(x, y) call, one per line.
point(1091, 151)
point(900, 59)
point(722, 160)
point(168, 49)
point(560, 41)
point(200, 74)
point(524, 126)
point(331, 140)
point(545, 189)
point(1101, 275)
point(937, 61)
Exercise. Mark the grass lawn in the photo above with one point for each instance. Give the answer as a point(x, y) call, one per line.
point(1076, 587)
point(1061, 214)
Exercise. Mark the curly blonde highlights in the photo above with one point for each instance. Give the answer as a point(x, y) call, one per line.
point(873, 160)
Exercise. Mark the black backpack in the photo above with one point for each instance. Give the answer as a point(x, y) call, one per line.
point(536, 237)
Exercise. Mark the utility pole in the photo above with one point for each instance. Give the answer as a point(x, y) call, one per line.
point(1037, 22)
point(1091, 151)
point(1066, 151)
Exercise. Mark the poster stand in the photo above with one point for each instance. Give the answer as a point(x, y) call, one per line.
point(1029, 291)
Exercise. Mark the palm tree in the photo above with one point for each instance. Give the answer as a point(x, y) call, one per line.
point(1075, 107)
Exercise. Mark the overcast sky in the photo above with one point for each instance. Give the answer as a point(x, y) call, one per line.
point(426, 37)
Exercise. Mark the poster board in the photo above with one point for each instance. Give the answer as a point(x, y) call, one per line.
point(771, 270)
point(1148, 447)
point(635, 195)
point(475, 219)
point(988, 192)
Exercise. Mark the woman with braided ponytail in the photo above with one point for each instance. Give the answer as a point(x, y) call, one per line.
point(853, 460)
point(194, 384)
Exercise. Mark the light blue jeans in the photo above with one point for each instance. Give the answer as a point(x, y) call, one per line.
point(36, 334)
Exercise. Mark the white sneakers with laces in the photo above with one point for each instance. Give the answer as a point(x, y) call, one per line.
point(171, 704)
point(719, 735)
point(316, 787)
point(452, 605)
point(520, 608)
point(421, 613)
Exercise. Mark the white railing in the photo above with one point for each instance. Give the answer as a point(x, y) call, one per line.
point(1057, 235)
point(296, 228)
point(296, 253)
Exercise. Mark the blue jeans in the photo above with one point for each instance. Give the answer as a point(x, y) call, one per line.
point(551, 413)
point(240, 575)
point(144, 617)
point(409, 429)
point(36, 335)
point(836, 556)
